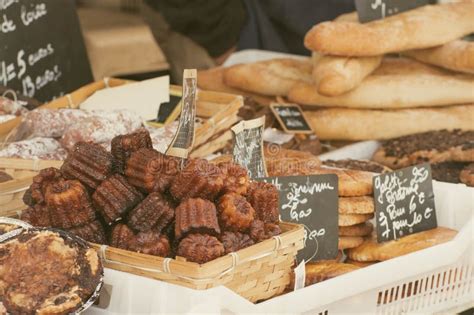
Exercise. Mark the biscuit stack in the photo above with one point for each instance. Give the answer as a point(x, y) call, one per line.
point(430, 88)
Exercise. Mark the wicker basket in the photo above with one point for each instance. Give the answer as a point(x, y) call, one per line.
point(257, 272)
point(22, 172)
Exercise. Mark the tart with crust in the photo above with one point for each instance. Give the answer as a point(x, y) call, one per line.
point(46, 271)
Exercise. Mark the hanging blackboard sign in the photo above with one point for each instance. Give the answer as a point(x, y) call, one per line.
point(404, 202)
point(312, 201)
point(42, 53)
point(183, 141)
point(370, 10)
point(291, 118)
point(248, 146)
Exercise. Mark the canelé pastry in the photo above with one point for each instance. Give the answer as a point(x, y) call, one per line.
point(27, 198)
point(154, 209)
point(260, 231)
point(46, 272)
point(89, 163)
point(124, 145)
point(235, 213)
point(264, 199)
point(114, 197)
point(234, 241)
point(121, 236)
point(68, 203)
point(37, 215)
point(196, 215)
point(236, 178)
point(91, 232)
point(200, 248)
point(150, 170)
point(199, 179)
point(40, 182)
point(151, 243)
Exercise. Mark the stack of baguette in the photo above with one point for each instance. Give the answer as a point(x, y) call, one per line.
point(428, 85)
point(405, 74)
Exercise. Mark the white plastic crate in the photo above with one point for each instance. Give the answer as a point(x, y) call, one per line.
point(437, 279)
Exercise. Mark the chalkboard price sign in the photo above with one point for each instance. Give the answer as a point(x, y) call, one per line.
point(404, 202)
point(42, 53)
point(291, 118)
point(248, 146)
point(312, 201)
point(370, 10)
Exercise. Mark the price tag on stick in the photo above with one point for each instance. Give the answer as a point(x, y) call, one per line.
point(313, 202)
point(404, 202)
point(248, 146)
point(370, 10)
point(291, 118)
point(183, 141)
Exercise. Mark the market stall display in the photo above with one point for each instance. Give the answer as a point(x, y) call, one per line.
point(102, 187)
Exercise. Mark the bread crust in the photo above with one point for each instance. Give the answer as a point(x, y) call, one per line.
point(273, 77)
point(360, 124)
point(424, 27)
point(457, 55)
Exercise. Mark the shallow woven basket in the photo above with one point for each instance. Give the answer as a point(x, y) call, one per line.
point(257, 272)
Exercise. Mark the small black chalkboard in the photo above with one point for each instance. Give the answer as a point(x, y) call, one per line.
point(370, 10)
point(42, 52)
point(248, 146)
point(291, 118)
point(184, 139)
point(404, 202)
point(312, 201)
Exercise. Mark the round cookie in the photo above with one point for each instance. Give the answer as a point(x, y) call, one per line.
point(356, 205)
point(346, 242)
point(362, 229)
point(353, 219)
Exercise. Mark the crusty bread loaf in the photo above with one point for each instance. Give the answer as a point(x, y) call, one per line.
point(213, 80)
point(357, 124)
point(457, 55)
point(335, 75)
point(397, 83)
point(424, 27)
point(273, 77)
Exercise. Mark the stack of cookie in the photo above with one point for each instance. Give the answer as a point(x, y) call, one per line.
point(380, 97)
point(451, 154)
point(356, 205)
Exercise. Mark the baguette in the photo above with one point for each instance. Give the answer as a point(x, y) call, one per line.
point(424, 27)
point(335, 75)
point(397, 83)
point(213, 80)
point(457, 55)
point(355, 124)
point(273, 77)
